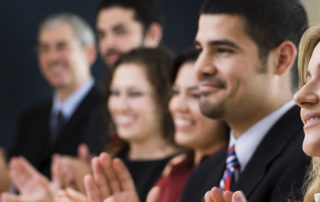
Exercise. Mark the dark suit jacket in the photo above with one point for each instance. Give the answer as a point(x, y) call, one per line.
point(84, 126)
point(275, 171)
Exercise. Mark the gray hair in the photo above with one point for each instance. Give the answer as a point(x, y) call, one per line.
point(81, 28)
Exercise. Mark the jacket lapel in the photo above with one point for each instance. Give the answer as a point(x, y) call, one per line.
point(271, 146)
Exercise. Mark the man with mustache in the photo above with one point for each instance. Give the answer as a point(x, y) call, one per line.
point(246, 78)
point(66, 50)
point(123, 25)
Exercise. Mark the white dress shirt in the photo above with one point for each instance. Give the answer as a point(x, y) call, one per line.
point(247, 143)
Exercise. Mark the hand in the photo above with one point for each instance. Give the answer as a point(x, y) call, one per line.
point(69, 172)
point(31, 184)
point(216, 195)
point(4, 173)
point(70, 195)
point(111, 181)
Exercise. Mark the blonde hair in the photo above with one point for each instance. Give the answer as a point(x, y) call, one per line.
point(308, 42)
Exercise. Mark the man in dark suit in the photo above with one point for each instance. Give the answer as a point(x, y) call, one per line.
point(247, 51)
point(66, 50)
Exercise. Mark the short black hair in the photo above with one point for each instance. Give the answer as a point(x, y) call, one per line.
point(268, 22)
point(146, 11)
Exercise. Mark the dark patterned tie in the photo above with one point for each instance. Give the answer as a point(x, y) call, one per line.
point(57, 126)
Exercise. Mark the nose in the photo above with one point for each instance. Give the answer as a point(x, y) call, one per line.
point(204, 65)
point(308, 95)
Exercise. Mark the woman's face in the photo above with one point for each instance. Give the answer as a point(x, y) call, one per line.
point(308, 99)
point(132, 104)
point(192, 129)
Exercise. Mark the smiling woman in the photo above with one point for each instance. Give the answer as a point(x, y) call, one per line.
point(138, 104)
point(308, 98)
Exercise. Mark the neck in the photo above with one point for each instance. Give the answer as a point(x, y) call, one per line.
point(240, 126)
point(151, 149)
point(64, 92)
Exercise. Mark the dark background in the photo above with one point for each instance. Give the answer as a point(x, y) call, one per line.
point(21, 82)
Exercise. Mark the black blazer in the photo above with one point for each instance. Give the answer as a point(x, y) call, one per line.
point(274, 173)
point(84, 126)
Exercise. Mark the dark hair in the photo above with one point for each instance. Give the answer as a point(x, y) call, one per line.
point(156, 62)
point(268, 22)
point(189, 55)
point(146, 11)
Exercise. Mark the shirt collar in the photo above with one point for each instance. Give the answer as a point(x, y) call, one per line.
point(254, 135)
point(68, 106)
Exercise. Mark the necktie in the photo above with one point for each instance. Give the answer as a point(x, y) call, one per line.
point(232, 168)
point(57, 126)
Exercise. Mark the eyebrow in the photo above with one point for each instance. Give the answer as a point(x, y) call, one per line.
point(193, 88)
point(219, 42)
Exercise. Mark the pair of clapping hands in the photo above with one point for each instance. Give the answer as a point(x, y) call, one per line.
point(74, 179)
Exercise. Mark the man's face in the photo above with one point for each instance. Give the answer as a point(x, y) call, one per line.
point(118, 32)
point(63, 60)
point(228, 69)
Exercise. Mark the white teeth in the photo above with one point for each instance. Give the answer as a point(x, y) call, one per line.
point(312, 119)
point(182, 122)
point(125, 119)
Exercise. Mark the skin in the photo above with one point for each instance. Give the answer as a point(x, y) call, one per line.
point(192, 128)
point(63, 61)
point(308, 98)
point(119, 32)
point(229, 75)
point(133, 108)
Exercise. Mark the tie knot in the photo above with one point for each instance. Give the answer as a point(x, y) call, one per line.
point(232, 161)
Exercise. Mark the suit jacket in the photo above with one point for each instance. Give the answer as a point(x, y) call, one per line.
point(274, 173)
point(84, 126)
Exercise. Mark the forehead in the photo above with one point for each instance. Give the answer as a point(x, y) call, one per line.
point(222, 27)
point(63, 32)
point(112, 16)
point(128, 74)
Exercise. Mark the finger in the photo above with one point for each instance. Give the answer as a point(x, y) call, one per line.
point(100, 179)
point(216, 194)
point(55, 173)
point(106, 163)
point(207, 197)
point(238, 196)
point(154, 194)
point(76, 196)
point(227, 196)
point(7, 197)
point(92, 191)
point(84, 152)
point(123, 175)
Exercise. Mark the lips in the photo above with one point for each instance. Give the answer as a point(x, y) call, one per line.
point(310, 119)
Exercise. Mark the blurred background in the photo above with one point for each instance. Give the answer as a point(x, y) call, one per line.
point(21, 83)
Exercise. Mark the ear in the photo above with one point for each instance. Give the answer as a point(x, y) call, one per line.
point(91, 53)
point(285, 55)
point(153, 35)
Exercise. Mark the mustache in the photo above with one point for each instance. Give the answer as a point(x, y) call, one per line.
point(213, 80)
point(112, 52)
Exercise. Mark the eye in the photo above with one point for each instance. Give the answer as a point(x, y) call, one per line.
point(114, 93)
point(120, 31)
point(195, 95)
point(135, 94)
point(175, 92)
point(224, 50)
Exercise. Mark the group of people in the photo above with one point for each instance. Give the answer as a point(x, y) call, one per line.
point(216, 123)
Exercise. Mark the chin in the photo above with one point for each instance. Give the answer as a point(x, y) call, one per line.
point(312, 150)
